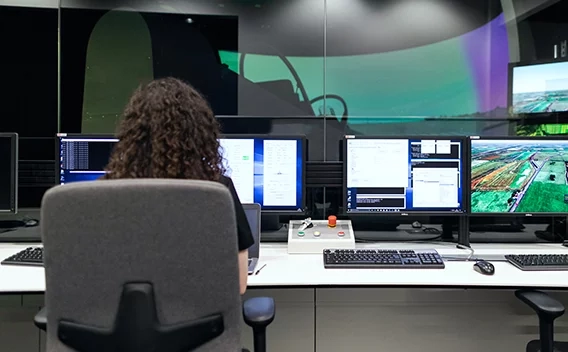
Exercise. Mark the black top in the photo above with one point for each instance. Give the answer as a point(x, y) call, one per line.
point(243, 229)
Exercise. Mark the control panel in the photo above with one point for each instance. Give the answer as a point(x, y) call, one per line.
point(313, 236)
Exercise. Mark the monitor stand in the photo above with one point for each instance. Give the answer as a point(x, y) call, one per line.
point(270, 223)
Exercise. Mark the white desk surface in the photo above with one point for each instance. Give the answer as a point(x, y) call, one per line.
point(284, 270)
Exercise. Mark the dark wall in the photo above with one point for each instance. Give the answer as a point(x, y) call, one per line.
point(547, 28)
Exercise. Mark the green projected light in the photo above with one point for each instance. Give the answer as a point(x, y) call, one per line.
point(377, 84)
point(119, 59)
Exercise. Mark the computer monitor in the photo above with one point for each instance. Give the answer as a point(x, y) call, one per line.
point(516, 175)
point(266, 170)
point(403, 175)
point(538, 88)
point(83, 157)
point(8, 172)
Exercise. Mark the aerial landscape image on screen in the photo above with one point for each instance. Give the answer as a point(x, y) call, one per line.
point(540, 102)
point(540, 88)
point(519, 176)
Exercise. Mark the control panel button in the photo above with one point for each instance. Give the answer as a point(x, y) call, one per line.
point(331, 221)
point(301, 233)
point(317, 233)
point(341, 234)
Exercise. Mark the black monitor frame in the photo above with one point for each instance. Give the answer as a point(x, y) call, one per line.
point(304, 142)
point(507, 214)
point(13, 173)
point(465, 170)
point(536, 118)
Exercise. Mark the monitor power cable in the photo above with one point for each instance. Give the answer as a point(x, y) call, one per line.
point(461, 259)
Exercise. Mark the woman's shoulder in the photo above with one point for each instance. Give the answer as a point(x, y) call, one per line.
point(225, 180)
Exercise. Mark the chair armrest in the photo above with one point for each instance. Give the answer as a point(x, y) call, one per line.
point(544, 305)
point(258, 311)
point(40, 319)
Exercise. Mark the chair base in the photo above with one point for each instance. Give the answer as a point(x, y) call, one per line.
point(534, 346)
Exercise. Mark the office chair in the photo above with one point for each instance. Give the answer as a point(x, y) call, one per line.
point(547, 309)
point(144, 265)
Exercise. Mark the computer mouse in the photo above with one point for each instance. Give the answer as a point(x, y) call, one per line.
point(484, 267)
point(416, 225)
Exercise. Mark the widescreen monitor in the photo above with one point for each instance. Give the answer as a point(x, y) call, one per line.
point(8, 173)
point(266, 170)
point(402, 175)
point(519, 175)
point(539, 88)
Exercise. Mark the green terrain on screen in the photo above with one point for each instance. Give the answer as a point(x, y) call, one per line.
point(519, 176)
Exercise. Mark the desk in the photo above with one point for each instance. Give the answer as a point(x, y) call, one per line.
point(306, 270)
point(337, 309)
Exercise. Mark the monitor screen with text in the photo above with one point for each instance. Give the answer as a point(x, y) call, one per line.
point(265, 170)
point(403, 175)
point(83, 157)
point(516, 175)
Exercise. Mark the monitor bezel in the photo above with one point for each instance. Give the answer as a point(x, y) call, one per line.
point(303, 140)
point(512, 138)
point(465, 179)
point(13, 172)
point(532, 118)
point(59, 136)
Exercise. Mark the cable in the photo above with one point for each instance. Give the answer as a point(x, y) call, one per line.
point(467, 248)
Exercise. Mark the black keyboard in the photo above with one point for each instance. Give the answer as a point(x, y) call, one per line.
point(539, 262)
point(30, 256)
point(382, 259)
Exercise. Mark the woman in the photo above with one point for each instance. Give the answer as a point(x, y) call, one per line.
point(169, 131)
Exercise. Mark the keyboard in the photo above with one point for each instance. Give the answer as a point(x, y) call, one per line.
point(30, 256)
point(539, 262)
point(382, 259)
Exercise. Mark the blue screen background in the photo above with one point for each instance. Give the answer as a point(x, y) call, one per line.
point(259, 176)
point(74, 177)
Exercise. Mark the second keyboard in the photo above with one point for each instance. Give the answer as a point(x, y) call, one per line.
point(382, 259)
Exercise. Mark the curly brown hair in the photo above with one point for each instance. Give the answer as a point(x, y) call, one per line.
point(168, 131)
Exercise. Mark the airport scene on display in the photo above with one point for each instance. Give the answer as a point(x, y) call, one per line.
point(540, 88)
point(519, 176)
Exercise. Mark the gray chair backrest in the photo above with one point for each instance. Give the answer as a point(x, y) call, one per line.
point(179, 235)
